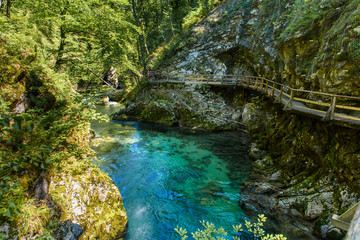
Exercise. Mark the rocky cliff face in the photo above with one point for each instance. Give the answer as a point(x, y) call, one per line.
point(308, 166)
point(305, 44)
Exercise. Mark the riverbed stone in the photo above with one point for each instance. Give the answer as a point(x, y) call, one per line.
point(275, 176)
point(249, 109)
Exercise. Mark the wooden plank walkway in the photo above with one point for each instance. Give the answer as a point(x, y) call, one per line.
point(338, 108)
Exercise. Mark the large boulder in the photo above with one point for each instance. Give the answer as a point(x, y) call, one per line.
point(90, 199)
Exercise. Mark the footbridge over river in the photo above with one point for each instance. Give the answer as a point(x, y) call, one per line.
point(329, 107)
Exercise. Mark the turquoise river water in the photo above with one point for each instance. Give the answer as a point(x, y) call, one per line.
point(172, 177)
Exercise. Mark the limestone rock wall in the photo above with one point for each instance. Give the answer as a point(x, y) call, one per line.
point(311, 164)
point(306, 44)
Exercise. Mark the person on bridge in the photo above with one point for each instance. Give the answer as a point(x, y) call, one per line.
point(151, 75)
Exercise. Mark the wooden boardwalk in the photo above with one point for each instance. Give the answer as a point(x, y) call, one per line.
point(328, 107)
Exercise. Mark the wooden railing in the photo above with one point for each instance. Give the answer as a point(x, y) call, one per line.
point(325, 105)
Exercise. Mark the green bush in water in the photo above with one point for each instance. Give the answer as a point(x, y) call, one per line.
point(210, 232)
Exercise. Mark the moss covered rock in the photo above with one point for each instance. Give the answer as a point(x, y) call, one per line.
point(89, 198)
point(178, 105)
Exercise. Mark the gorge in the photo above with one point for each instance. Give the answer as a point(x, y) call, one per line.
point(58, 59)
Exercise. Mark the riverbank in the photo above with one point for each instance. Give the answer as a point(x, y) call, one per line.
point(194, 106)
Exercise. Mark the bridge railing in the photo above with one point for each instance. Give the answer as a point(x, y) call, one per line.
point(329, 106)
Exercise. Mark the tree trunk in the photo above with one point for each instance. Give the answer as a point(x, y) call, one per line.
point(207, 6)
point(171, 24)
point(141, 37)
point(8, 7)
point(59, 59)
point(143, 33)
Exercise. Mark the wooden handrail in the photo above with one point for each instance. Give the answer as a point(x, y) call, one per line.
point(269, 81)
point(280, 92)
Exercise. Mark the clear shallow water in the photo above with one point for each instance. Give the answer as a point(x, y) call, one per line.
point(172, 177)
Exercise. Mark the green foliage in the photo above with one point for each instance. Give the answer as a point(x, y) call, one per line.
point(53, 128)
point(100, 34)
point(33, 218)
point(203, 88)
point(12, 198)
point(210, 232)
point(193, 17)
point(302, 16)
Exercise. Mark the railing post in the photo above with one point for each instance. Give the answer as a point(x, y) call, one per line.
point(262, 85)
point(279, 97)
point(288, 106)
point(207, 80)
point(272, 90)
point(267, 87)
point(256, 83)
point(168, 76)
point(248, 81)
point(222, 79)
point(329, 115)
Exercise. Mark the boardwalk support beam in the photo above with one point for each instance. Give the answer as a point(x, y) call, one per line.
point(256, 84)
point(267, 88)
